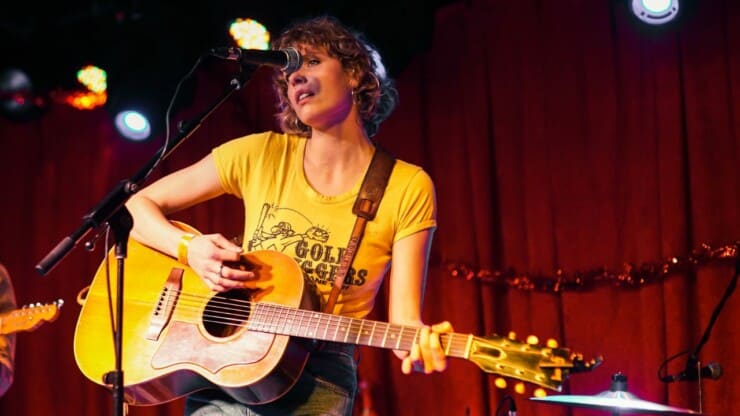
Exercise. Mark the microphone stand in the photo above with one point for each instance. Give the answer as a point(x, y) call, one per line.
point(111, 210)
point(693, 360)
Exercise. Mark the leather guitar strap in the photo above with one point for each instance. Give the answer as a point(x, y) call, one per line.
point(365, 208)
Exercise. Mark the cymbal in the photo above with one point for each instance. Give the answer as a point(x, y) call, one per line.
point(616, 402)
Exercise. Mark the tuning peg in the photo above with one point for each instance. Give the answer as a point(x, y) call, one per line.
point(539, 392)
point(533, 340)
point(552, 343)
point(512, 335)
point(500, 382)
point(519, 388)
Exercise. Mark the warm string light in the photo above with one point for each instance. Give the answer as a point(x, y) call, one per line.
point(85, 100)
point(630, 276)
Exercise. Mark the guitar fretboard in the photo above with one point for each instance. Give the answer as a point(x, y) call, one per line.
point(278, 319)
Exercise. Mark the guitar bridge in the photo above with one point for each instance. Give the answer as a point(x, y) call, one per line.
point(165, 305)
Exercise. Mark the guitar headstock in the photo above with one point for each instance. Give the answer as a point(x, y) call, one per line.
point(29, 317)
point(545, 366)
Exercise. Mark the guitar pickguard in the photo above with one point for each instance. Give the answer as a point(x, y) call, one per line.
point(186, 343)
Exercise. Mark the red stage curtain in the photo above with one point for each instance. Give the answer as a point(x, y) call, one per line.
point(561, 136)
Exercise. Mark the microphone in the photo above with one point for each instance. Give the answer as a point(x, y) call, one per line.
point(712, 371)
point(288, 59)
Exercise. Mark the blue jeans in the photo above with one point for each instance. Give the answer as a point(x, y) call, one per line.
point(327, 386)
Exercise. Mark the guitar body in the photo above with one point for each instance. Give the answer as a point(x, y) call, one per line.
point(171, 349)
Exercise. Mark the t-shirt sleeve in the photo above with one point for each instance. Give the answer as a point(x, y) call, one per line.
point(418, 208)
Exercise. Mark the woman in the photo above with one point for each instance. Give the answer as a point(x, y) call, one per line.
point(298, 189)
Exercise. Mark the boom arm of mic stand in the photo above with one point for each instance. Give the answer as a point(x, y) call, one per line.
point(118, 196)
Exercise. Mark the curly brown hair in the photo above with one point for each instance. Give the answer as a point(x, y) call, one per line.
point(375, 95)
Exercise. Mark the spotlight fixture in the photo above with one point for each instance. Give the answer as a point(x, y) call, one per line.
point(135, 103)
point(133, 125)
point(655, 12)
point(250, 34)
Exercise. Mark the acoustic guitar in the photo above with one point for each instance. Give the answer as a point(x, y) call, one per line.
point(180, 337)
point(29, 317)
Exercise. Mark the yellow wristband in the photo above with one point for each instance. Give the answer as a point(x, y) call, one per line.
point(182, 248)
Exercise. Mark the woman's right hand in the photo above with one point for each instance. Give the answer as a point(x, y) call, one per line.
point(206, 256)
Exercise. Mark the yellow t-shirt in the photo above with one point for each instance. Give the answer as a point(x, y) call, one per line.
point(284, 213)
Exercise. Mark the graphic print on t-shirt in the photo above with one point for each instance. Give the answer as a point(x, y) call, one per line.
point(291, 232)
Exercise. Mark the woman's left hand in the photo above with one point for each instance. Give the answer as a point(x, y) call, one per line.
point(426, 355)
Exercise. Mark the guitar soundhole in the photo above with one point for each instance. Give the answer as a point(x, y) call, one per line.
point(227, 312)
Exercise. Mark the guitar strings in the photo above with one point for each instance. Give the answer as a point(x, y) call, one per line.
point(272, 317)
point(285, 320)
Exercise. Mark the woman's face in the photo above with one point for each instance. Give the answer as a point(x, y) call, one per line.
point(320, 91)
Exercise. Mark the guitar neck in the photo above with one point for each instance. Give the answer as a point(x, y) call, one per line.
point(277, 319)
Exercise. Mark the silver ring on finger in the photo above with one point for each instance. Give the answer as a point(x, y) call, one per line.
point(221, 270)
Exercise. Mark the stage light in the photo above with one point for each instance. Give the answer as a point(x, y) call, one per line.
point(250, 34)
point(18, 101)
point(94, 78)
point(133, 125)
point(655, 12)
point(94, 94)
point(135, 104)
point(84, 100)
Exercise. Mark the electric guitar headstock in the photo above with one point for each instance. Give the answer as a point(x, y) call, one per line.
point(29, 317)
point(546, 366)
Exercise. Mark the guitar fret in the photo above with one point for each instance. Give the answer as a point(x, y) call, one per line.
point(255, 322)
point(286, 320)
point(258, 319)
point(336, 328)
point(316, 317)
point(271, 311)
point(295, 322)
point(385, 335)
point(393, 332)
point(304, 325)
point(264, 315)
point(400, 335)
point(372, 334)
point(359, 332)
point(326, 327)
point(316, 325)
point(297, 329)
point(287, 325)
point(271, 319)
point(346, 334)
point(275, 319)
point(416, 334)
